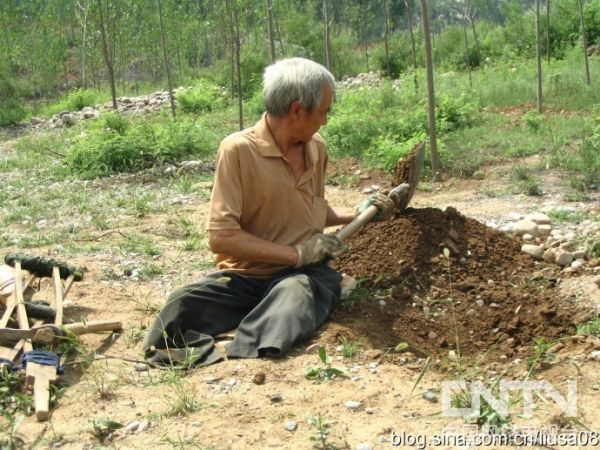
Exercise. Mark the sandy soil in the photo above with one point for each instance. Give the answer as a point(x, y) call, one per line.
point(222, 407)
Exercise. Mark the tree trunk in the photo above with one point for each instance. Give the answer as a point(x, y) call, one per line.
point(107, 60)
point(235, 30)
point(538, 56)
point(270, 30)
point(366, 34)
point(435, 169)
point(83, 6)
point(584, 42)
point(412, 43)
point(279, 34)
point(7, 40)
point(326, 30)
point(467, 56)
point(386, 15)
point(166, 56)
point(548, 30)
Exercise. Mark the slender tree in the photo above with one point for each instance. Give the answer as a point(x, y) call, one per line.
point(548, 31)
point(235, 31)
point(538, 56)
point(270, 29)
point(166, 56)
point(107, 58)
point(326, 33)
point(584, 42)
point(83, 7)
point(435, 169)
point(386, 35)
point(413, 47)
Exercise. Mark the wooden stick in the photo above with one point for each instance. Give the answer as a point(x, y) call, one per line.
point(40, 376)
point(80, 328)
point(21, 313)
point(58, 296)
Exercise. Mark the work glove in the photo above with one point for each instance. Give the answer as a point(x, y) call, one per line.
point(385, 207)
point(319, 248)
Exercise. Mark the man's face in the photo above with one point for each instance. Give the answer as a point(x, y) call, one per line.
point(310, 122)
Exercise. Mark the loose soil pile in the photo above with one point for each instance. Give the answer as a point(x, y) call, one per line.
point(501, 298)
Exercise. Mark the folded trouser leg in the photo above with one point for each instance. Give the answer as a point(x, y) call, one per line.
point(296, 303)
point(182, 332)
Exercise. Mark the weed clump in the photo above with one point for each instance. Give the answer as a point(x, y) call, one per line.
point(204, 96)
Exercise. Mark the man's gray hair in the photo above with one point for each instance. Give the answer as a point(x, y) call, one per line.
point(294, 79)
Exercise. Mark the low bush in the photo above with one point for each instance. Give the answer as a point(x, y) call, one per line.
point(202, 97)
point(137, 146)
point(80, 98)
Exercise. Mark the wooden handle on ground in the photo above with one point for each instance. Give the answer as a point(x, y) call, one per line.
point(80, 328)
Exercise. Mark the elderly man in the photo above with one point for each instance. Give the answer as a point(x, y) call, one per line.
point(266, 222)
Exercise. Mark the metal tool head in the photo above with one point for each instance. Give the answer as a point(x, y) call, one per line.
point(408, 171)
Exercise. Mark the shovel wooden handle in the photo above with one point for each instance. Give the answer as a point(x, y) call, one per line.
point(353, 227)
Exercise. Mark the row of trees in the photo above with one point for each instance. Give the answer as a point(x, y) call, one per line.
point(53, 45)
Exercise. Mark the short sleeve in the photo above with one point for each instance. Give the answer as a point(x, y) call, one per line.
point(227, 195)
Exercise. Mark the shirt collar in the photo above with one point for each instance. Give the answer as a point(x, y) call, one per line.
point(267, 147)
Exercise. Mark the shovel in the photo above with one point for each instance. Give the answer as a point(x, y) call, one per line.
point(408, 172)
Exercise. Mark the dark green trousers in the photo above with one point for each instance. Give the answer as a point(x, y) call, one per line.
point(270, 315)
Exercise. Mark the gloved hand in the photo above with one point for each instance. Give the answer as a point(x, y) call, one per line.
point(385, 206)
point(319, 248)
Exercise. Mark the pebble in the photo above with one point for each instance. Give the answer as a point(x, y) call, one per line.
point(579, 254)
point(356, 378)
point(577, 264)
point(549, 256)
point(597, 281)
point(364, 446)
point(291, 426)
point(313, 348)
point(533, 250)
point(131, 427)
point(370, 410)
point(430, 396)
point(526, 227)
point(141, 367)
point(352, 405)
point(56, 445)
point(144, 425)
point(594, 356)
point(277, 398)
point(544, 230)
point(432, 335)
point(232, 382)
point(259, 378)
point(539, 218)
point(564, 258)
point(373, 365)
point(383, 438)
point(479, 303)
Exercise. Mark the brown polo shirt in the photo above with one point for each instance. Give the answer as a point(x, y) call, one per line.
point(255, 190)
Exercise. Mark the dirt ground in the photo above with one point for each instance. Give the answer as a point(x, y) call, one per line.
point(484, 294)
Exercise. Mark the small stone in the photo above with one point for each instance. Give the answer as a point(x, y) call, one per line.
point(131, 427)
point(276, 398)
point(364, 446)
point(356, 378)
point(373, 365)
point(352, 405)
point(494, 305)
point(579, 254)
point(528, 237)
point(526, 227)
point(533, 250)
point(594, 356)
point(57, 445)
point(370, 410)
point(232, 382)
point(544, 230)
point(549, 256)
point(597, 281)
point(430, 396)
point(432, 335)
point(564, 258)
point(577, 264)
point(539, 218)
point(141, 367)
point(144, 425)
point(313, 348)
point(259, 378)
point(491, 282)
point(479, 303)
point(291, 426)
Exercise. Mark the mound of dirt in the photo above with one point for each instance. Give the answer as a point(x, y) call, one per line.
point(500, 297)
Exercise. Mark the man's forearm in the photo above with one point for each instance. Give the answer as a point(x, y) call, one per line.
point(339, 216)
point(243, 245)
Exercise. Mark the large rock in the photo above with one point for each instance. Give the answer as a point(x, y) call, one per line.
point(526, 227)
point(535, 251)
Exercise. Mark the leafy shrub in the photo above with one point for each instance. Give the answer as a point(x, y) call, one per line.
point(80, 98)
point(11, 113)
point(387, 150)
point(533, 120)
point(204, 96)
point(138, 146)
point(115, 122)
point(454, 112)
